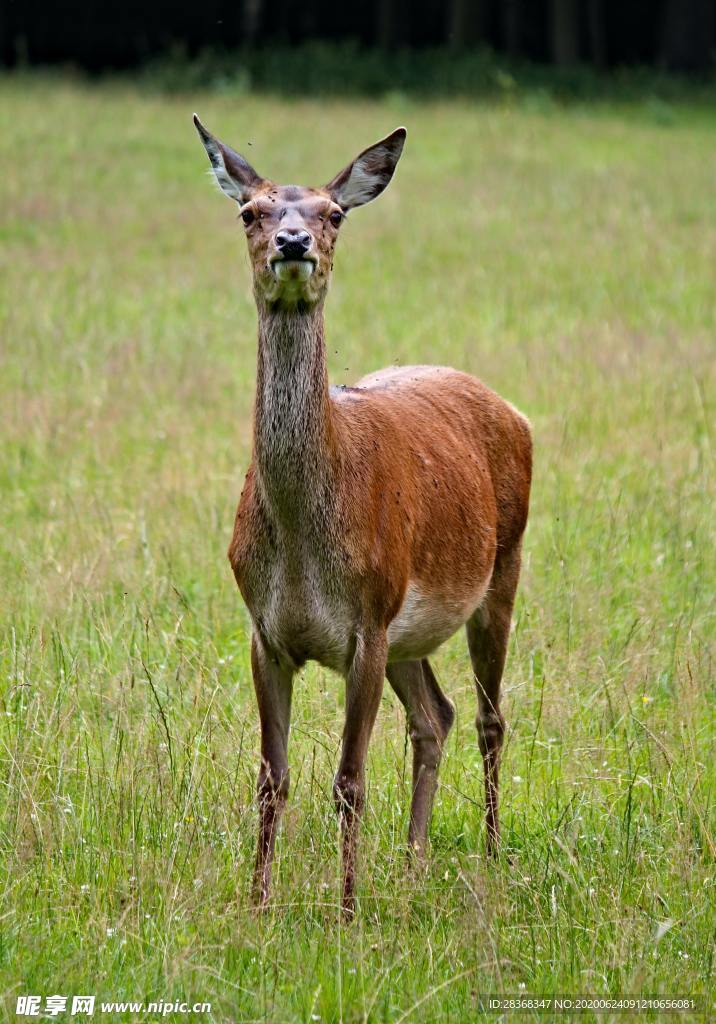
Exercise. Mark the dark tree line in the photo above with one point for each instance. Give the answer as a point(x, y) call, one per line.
point(110, 34)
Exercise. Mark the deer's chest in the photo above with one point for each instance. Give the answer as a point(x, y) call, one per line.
point(297, 598)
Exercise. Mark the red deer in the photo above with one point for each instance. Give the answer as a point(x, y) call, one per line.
point(375, 520)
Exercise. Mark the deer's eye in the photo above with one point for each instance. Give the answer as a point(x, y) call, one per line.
point(248, 217)
point(336, 218)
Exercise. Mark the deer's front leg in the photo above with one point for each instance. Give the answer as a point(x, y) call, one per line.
point(363, 691)
point(273, 685)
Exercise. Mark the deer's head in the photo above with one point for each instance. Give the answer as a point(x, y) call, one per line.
point(291, 230)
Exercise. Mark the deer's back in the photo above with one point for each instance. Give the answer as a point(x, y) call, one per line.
point(441, 469)
point(459, 447)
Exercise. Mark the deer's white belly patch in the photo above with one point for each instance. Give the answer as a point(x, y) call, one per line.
point(427, 620)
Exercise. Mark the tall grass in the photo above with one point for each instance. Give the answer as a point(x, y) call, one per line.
point(568, 259)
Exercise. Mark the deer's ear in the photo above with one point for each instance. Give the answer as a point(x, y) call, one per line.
point(369, 174)
point(234, 175)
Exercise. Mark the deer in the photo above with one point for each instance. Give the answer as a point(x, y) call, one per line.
point(375, 520)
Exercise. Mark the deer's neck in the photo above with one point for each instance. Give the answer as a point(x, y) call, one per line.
point(293, 435)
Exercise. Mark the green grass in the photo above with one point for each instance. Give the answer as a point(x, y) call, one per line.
point(566, 257)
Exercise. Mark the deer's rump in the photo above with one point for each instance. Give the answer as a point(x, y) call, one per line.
point(441, 468)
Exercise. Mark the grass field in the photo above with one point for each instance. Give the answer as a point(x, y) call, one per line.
point(566, 256)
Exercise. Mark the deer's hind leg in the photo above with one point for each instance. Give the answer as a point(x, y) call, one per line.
point(488, 632)
point(430, 715)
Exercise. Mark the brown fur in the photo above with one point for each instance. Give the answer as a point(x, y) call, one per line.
point(374, 520)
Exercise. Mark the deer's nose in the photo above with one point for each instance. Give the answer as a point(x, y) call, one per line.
point(293, 243)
